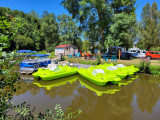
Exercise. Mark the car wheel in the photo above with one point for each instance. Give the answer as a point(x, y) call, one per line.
point(148, 57)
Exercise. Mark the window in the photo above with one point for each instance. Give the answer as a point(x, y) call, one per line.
point(155, 52)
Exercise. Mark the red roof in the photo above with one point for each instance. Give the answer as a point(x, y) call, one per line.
point(62, 46)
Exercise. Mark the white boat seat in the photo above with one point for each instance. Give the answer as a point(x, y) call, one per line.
point(96, 71)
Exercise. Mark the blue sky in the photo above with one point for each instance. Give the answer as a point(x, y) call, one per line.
point(55, 7)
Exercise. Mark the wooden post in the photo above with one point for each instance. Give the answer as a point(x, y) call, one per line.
point(119, 54)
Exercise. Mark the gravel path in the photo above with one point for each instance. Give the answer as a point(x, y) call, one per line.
point(80, 65)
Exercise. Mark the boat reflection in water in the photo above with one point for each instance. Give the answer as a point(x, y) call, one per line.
point(108, 89)
point(26, 77)
point(127, 81)
point(55, 83)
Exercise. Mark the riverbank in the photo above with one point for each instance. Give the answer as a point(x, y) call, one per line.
point(153, 66)
point(125, 62)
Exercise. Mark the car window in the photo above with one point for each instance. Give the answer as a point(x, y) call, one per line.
point(155, 52)
point(151, 52)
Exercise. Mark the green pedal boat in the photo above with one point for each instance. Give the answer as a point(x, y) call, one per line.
point(128, 68)
point(98, 76)
point(110, 69)
point(55, 73)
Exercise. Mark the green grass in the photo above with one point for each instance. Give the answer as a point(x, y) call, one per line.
point(153, 69)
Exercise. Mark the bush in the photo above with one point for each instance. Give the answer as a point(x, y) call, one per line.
point(42, 52)
point(49, 49)
point(145, 66)
point(155, 49)
point(52, 55)
point(98, 60)
point(155, 70)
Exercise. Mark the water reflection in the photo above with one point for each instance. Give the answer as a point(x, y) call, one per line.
point(132, 99)
point(148, 92)
point(55, 83)
point(110, 89)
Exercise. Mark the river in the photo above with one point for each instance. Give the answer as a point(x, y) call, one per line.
point(133, 99)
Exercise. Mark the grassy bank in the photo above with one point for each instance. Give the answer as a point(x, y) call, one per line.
point(148, 67)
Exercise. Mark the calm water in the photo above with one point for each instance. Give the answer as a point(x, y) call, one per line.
point(134, 99)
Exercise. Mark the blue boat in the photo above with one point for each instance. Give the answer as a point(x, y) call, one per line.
point(28, 66)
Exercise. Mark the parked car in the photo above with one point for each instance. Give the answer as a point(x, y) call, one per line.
point(153, 54)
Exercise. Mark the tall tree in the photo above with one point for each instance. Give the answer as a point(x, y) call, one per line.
point(107, 15)
point(150, 27)
point(68, 30)
point(49, 31)
point(85, 10)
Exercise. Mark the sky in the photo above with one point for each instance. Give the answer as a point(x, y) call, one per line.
point(55, 7)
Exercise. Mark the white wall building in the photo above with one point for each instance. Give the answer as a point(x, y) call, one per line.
point(66, 49)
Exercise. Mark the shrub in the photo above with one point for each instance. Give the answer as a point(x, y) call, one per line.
point(155, 70)
point(52, 55)
point(98, 60)
point(49, 49)
point(42, 52)
point(145, 66)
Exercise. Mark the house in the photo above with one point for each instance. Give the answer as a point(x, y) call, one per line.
point(66, 49)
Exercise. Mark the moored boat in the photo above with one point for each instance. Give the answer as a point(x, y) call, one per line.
point(56, 72)
point(98, 76)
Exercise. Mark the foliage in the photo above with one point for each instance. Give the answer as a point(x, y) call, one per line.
point(8, 76)
point(149, 27)
point(23, 42)
point(42, 52)
point(119, 30)
point(155, 70)
point(4, 32)
point(104, 20)
point(49, 31)
point(145, 66)
point(68, 30)
point(24, 111)
point(155, 48)
point(85, 45)
point(98, 59)
point(60, 114)
point(52, 55)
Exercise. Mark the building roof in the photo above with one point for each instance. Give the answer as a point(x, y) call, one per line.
point(62, 46)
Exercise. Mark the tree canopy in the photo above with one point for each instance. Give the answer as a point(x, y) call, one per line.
point(111, 19)
point(149, 27)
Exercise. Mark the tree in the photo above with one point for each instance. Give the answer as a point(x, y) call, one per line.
point(23, 42)
point(107, 15)
point(85, 45)
point(150, 27)
point(49, 31)
point(8, 30)
point(68, 30)
point(85, 10)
